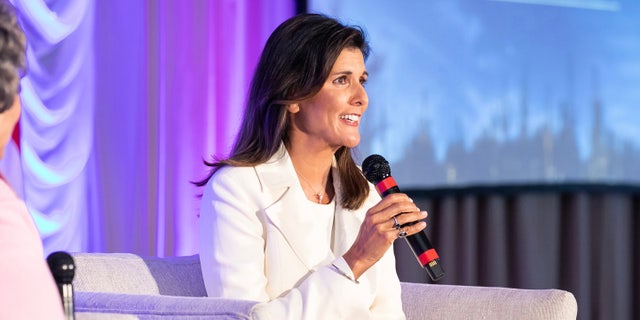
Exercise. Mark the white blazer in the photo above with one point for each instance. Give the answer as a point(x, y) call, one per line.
point(253, 246)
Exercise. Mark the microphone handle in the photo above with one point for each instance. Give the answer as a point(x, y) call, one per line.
point(426, 255)
point(419, 243)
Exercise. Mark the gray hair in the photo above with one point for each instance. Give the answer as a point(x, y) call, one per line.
point(13, 45)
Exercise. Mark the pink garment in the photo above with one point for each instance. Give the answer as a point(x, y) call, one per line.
point(27, 289)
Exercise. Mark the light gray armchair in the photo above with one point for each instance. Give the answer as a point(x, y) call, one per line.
point(127, 286)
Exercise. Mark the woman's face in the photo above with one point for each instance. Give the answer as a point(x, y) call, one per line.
point(332, 116)
point(8, 120)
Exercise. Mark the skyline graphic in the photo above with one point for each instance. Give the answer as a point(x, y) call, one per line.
point(499, 91)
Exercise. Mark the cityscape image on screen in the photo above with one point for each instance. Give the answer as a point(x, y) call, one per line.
point(490, 92)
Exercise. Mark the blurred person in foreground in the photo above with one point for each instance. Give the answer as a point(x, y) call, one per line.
point(27, 289)
point(288, 219)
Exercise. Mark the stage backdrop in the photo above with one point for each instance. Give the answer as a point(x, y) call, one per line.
point(122, 102)
point(515, 124)
point(493, 92)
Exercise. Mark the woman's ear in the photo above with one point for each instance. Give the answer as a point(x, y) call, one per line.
point(293, 108)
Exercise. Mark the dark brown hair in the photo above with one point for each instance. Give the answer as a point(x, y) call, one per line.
point(294, 64)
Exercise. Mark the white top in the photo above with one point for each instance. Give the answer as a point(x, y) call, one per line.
point(321, 216)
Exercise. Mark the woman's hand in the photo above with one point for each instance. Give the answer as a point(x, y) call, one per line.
point(379, 230)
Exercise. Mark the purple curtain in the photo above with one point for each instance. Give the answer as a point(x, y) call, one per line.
point(57, 119)
point(129, 98)
point(171, 82)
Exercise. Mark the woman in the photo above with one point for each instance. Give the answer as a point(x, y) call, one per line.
point(28, 290)
point(288, 219)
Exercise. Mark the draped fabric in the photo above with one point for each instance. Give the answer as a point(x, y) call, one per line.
point(122, 102)
point(56, 136)
point(582, 238)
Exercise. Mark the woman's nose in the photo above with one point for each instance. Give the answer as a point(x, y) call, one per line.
point(360, 96)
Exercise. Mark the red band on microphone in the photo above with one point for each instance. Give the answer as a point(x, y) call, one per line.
point(386, 184)
point(428, 256)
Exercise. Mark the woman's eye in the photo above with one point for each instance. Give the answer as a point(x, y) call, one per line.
point(363, 81)
point(341, 80)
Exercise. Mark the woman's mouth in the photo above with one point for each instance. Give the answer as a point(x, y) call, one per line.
point(352, 119)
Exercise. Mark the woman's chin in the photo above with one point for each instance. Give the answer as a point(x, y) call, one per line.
point(352, 143)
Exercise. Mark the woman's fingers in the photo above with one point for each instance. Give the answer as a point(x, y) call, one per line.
point(410, 229)
point(397, 216)
point(392, 205)
point(398, 211)
point(394, 216)
point(409, 218)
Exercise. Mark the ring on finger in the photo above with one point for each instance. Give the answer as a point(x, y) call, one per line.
point(402, 233)
point(396, 225)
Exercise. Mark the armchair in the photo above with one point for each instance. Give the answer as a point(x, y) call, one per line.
point(127, 286)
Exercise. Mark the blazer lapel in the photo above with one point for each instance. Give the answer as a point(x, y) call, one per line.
point(279, 181)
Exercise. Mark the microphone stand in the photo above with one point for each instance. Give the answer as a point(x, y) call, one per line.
point(63, 269)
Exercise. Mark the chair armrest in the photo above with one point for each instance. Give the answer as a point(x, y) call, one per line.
point(430, 301)
point(91, 304)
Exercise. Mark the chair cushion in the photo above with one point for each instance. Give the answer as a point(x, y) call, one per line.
point(159, 307)
point(131, 274)
point(430, 301)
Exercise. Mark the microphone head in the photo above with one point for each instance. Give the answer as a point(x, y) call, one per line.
point(375, 168)
point(62, 266)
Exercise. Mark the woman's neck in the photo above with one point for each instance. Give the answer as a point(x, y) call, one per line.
point(313, 164)
point(313, 168)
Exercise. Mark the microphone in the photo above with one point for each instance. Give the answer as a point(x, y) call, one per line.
point(63, 269)
point(376, 169)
